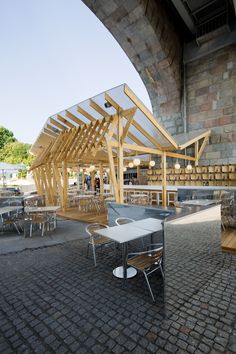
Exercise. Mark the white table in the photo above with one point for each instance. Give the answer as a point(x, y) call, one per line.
point(45, 209)
point(200, 202)
point(150, 224)
point(126, 233)
point(8, 210)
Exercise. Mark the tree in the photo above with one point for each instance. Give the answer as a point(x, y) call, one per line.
point(16, 152)
point(6, 136)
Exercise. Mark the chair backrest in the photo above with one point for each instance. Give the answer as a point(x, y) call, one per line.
point(92, 228)
point(123, 220)
point(156, 254)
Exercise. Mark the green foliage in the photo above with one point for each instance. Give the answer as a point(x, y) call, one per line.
point(6, 136)
point(16, 152)
point(22, 173)
point(13, 151)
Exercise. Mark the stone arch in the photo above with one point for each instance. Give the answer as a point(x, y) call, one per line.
point(146, 33)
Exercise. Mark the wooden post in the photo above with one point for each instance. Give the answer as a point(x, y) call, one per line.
point(48, 175)
point(120, 159)
point(113, 180)
point(46, 187)
point(196, 152)
point(58, 180)
point(92, 180)
point(101, 179)
point(138, 174)
point(83, 179)
point(163, 167)
point(65, 186)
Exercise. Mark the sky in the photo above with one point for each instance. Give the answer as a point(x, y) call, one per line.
point(54, 54)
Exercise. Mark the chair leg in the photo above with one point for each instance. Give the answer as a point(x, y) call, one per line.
point(162, 273)
point(16, 228)
point(149, 286)
point(43, 225)
point(31, 227)
point(87, 250)
point(94, 255)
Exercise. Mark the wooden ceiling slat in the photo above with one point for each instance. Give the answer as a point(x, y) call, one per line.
point(57, 124)
point(74, 118)
point(90, 135)
point(65, 121)
point(49, 132)
point(85, 114)
point(97, 108)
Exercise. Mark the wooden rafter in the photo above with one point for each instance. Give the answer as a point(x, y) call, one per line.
point(57, 124)
point(73, 117)
point(65, 121)
point(85, 114)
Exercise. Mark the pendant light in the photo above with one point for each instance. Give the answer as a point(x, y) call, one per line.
point(152, 163)
point(136, 162)
point(177, 165)
point(189, 166)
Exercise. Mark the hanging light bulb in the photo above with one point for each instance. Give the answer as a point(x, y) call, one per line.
point(177, 165)
point(189, 166)
point(91, 168)
point(152, 163)
point(131, 165)
point(125, 169)
point(136, 162)
point(107, 170)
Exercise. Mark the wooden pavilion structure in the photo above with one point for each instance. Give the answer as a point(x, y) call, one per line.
point(107, 130)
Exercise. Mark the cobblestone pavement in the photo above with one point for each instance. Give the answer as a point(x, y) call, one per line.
point(53, 300)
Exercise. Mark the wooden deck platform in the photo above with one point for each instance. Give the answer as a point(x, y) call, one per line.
point(75, 214)
point(228, 240)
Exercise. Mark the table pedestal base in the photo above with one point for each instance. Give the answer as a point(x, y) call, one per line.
point(119, 272)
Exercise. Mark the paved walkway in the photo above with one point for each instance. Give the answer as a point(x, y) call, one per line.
point(53, 300)
point(11, 242)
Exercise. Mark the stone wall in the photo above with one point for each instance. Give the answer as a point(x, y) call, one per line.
point(145, 31)
point(211, 103)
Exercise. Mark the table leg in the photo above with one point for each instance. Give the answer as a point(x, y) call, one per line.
point(124, 255)
point(123, 272)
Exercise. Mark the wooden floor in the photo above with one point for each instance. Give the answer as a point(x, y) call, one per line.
point(228, 240)
point(75, 214)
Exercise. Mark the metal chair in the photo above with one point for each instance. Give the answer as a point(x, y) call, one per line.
point(96, 240)
point(38, 219)
point(122, 220)
point(10, 221)
point(147, 262)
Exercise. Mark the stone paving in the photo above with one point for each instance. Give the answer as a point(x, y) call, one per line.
point(53, 300)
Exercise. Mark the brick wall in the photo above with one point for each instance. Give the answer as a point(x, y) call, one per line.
point(211, 103)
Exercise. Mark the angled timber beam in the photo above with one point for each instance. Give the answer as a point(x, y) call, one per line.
point(89, 136)
point(129, 118)
point(80, 135)
point(112, 170)
point(126, 113)
point(74, 118)
point(85, 114)
point(53, 129)
point(97, 108)
point(96, 135)
point(49, 132)
point(192, 141)
point(204, 143)
point(149, 115)
point(148, 150)
point(65, 121)
point(57, 124)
